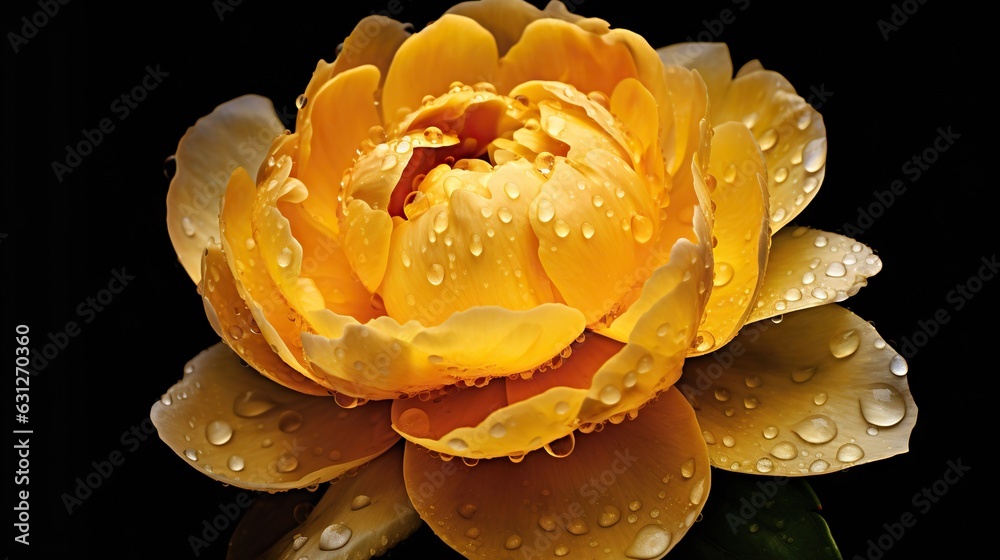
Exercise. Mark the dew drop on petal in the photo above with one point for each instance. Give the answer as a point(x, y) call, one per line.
point(897, 365)
point(642, 228)
point(765, 465)
point(188, 226)
point(546, 211)
point(218, 432)
point(251, 404)
point(561, 228)
point(836, 270)
point(882, 405)
point(814, 155)
point(610, 395)
point(335, 536)
point(723, 274)
point(816, 429)
point(284, 257)
point(845, 343)
point(435, 274)
point(850, 453)
point(785, 451)
point(235, 463)
point(289, 421)
point(286, 463)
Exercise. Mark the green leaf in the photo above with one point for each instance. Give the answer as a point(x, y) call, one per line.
point(751, 517)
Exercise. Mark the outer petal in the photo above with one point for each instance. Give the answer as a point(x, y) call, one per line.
point(808, 267)
point(461, 50)
point(240, 428)
point(790, 133)
point(506, 19)
point(236, 134)
point(711, 60)
point(741, 233)
point(233, 321)
point(544, 505)
point(816, 393)
point(359, 516)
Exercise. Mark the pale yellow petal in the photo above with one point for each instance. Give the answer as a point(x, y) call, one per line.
point(816, 393)
point(358, 517)
point(711, 60)
point(790, 133)
point(366, 242)
point(236, 134)
point(559, 506)
point(236, 426)
point(809, 267)
point(741, 233)
point(461, 50)
point(234, 322)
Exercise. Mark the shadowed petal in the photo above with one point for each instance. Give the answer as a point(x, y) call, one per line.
point(816, 393)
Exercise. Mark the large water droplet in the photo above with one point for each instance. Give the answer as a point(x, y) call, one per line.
point(610, 395)
point(723, 273)
point(284, 257)
point(546, 211)
point(561, 228)
point(768, 139)
point(765, 465)
point(845, 343)
point(289, 421)
point(191, 454)
point(252, 404)
point(513, 542)
point(836, 270)
point(578, 527)
point(687, 468)
point(652, 541)
point(816, 429)
point(218, 432)
point(785, 451)
point(814, 155)
point(587, 229)
point(882, 405)
point(441, 221)
point(897, 365)
point(235, 463)
point(850, 453)
point(435, 274)
point(512, 190)
point(770, 432)
point(609, 516)
point(642, 228)
point(335, 536)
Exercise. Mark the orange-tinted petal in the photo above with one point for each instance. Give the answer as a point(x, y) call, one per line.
point(358, 517)
point(816, 393)
point(741, 231)
point(636, 488)
point(236, 134)
point(808, 267)
point(234, 425)
point(461, 50)
point(711, 60)
point(235, 324)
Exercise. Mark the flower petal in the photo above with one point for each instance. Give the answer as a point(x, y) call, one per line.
point(634, 489)
point(236, 134)
point(552, 49)
point(741, 232)
point(359, 516)
point(462, 50)
point(711, 60)
point(342, 112)
point(234, 322)
point(808, 267)
point(816, 393)
point(240, 428)
point(790, 133)
point(506, 19)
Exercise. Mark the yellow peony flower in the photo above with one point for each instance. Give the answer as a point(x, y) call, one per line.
point(495, 238)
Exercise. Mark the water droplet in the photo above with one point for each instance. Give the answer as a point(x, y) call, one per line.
point(897, 365)
point(251, 404)
point(289, 421)
point(547, 523)
point(578, 527)
point(415, 422)
point(513, 542)
point(687, 468)
point(467, 510)
point(286, 463)
point(850, 453)
point(598, 201)
point(722, 395)
point(435, 274)
point(610, 395)
point(872, 431)
point(191, 454)
point(512, 190)
point(505, 215)
point(652, 541)
point(793, 294)
point(781, 174)
point(170, 166)
point(299, 542)
point(472, 533)
point(753, 381)
point(768, 139)
point(561, 447)
point(635, 505)
point(441, 221)
point(808, 278)
point(609, 516)
point(704, 341)
point(728, 441)
point(882, 405)
point(285, 257)
point(785, 451)
point(814, 155)
point(750, 403)
point(770, 432)
point(816, 429)
point(388, 162)
point(218, 432)
point(642, 228)
point(360, 501)
point(546, 211)
point(587, 229)
point(235, 463)
point(765, 465)
point(458, 444)
point(845, 343)
point(335, 536)
point(818, 466)
point(723, 274)
point(820, 399)
point(709, 437)
point(821, 241)
point(561, 228)
point(836, 270)
point(188, 226)
point(561, 550)
point(804, 374)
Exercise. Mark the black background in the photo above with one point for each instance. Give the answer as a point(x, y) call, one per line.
point(884, 100)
